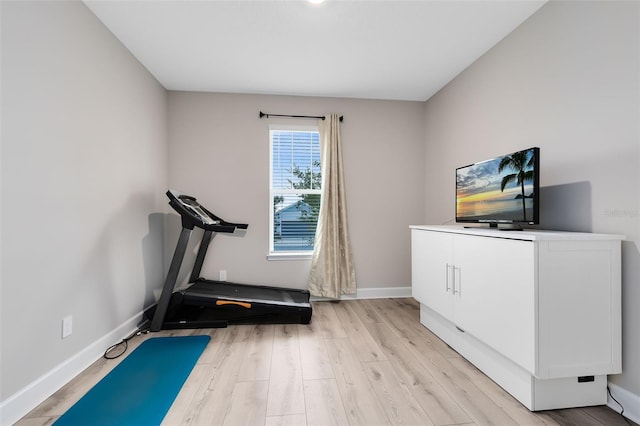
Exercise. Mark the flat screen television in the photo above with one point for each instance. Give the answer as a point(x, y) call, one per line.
point(501, 190)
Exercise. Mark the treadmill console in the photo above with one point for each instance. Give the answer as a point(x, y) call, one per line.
point(194, 214)
point(195, 208)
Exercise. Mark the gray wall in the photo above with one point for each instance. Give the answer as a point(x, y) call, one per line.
point(219, 152)
point(567, 80)
point(84, 168)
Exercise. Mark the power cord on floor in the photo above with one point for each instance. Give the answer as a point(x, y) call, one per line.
point(124, 344)
point(621, 407)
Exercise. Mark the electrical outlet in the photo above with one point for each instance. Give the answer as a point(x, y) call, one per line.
point(223, 275)
point(67, 326)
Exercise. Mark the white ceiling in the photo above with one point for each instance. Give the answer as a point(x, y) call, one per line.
point(402, 50)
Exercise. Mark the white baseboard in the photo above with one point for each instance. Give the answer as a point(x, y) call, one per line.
point(629, 401)
point(373, 293)
point(22, 402)
point(381, 293)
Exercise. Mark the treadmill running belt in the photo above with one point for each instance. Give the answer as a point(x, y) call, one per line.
point(223, 290)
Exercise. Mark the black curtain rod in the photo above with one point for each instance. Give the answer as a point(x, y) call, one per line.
point(321, 117)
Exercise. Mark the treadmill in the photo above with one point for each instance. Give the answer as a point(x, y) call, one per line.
point(214, 304)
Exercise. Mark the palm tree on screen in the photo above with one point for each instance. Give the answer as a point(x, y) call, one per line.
point(518, 162)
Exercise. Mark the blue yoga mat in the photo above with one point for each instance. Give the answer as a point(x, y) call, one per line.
point(140, 390)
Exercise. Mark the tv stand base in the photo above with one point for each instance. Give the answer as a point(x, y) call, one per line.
point(495, 226)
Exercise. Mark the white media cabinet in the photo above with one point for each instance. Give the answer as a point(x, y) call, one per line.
point(539, 312)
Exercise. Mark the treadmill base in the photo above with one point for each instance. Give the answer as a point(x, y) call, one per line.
point(214, 304)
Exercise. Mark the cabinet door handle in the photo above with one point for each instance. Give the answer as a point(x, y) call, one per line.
point(447, 280)
point(456, 279)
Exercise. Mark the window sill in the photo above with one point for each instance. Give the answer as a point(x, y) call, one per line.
point(290, 256)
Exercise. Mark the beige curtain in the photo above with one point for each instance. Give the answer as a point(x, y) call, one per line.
point(332, 273)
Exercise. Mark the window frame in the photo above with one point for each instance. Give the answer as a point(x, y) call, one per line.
point(286, 254)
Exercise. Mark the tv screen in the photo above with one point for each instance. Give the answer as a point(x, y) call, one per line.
point(500, 190)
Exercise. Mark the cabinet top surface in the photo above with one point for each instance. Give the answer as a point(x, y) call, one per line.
point(527, 234)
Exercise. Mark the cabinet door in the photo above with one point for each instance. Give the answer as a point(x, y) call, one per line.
point(579, 300)
point(431, 266)
point(495, 294)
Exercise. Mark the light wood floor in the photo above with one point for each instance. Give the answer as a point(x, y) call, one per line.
point(364, 362)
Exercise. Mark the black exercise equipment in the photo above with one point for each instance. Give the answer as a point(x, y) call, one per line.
point(214, 304)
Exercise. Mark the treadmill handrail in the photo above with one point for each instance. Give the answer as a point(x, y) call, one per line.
point(195, 214)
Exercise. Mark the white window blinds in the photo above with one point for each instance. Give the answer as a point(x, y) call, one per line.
point(295, 189)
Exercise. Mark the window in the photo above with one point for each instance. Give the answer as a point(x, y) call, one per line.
point(295, 189)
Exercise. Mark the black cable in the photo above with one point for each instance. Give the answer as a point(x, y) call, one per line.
point(141, 330)
point(621, 407)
